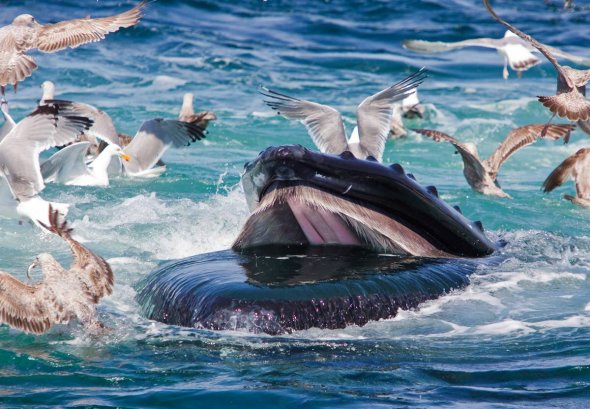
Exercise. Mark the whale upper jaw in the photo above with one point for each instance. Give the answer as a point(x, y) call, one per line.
point(300, 197)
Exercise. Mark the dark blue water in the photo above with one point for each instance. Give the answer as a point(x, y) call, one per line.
point(517, 336)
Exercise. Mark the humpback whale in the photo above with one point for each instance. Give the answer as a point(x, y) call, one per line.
point(300, 197)
point(331, 241)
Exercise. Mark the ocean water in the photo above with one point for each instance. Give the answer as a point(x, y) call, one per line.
point(517, 336)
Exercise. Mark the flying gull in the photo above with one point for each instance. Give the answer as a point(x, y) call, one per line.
point(576, 166)
point(482, 174)
point(324, 123)
point(62, 295)
point(53, 124)
point(570, 100)
point(25, 34)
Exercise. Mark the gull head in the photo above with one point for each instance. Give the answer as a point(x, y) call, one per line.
point(42, 260)
point(48, 88)
point(114, 149)
point(25, 20)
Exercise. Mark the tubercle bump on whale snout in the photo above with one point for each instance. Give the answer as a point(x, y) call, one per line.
point(397, 168)
point(347, 155)
point(432, 190)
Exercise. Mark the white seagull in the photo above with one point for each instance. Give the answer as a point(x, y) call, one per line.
point(144, 151)
point(53, 124)
point(517, 53)
point(324, 123)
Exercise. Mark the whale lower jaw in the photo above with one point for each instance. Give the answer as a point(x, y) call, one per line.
point(304, 215)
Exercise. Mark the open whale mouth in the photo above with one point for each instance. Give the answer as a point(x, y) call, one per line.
point(300, 197)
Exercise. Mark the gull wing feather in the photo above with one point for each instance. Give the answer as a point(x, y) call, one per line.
point(103, 127)
point(423, 46)
point(15, 65)
point(154, 137)
point(525, 135)
point(56, 123)
point(66, 164)
point(92, 269)
point(73, 33)
point(26, 307)
point(468, 157)
point(574, 166)
point(568, 56)
point(323, 123)
point(373, 115)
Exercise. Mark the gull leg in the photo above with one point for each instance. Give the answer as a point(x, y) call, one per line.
point(505, 70)
point(544, 131)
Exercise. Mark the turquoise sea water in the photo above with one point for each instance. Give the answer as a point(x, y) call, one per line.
point(516, 336)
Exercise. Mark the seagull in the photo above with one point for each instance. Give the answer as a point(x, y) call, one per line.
point(409, 107)
point(187, 113)
point(144, 151)
point(517, 53)
point(102, 128)
point(576, 166)
point(56, 123)
point(68, 165)
point(25, 34)
point(62, 295)
point(324, 123)
point(570, 101)
point(482, 174)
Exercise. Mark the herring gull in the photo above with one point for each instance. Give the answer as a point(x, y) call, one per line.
point(25, 34)
point(576, 166)
point(53, 124)
point(482, 174)
point(517, 52)
point(570, 100)
point(68, 165)
point(324, 123)
point(62, 295)
point(143, 151)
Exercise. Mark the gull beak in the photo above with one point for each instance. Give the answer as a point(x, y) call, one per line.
point(125, 156)
point(31, 267)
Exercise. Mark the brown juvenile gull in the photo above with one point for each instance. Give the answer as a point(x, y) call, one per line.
point(517, 52)
point(187, 113)
point(324, 123)
point(102, 128)
point(570, 100)
point(53, 124)
point(482, 174)
point(25, 34)
point(576, 166)
point(62, 295)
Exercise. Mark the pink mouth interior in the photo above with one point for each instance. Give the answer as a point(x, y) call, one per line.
point(322, 227)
